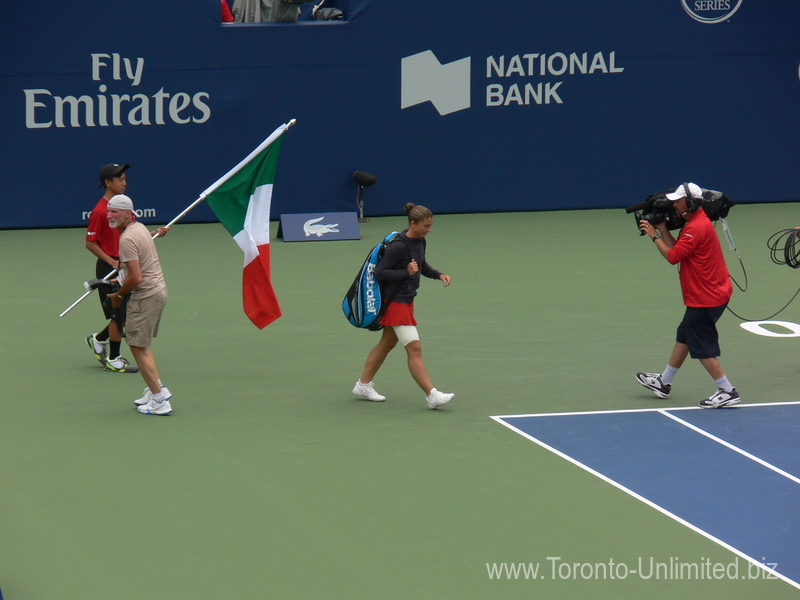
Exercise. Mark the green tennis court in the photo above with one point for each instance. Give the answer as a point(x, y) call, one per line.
point(271, 480)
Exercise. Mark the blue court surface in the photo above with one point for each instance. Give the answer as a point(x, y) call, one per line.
point(731, 474)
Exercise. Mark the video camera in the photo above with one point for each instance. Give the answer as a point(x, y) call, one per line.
point(659, 209)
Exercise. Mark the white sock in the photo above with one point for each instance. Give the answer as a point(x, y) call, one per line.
point(723, 384)
point(159, 397)
point(668, 375)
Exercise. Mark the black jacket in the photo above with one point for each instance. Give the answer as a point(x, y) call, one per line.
point(393, 268)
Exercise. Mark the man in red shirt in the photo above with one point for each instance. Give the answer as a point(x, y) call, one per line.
point(706, 289)
point(103, 242)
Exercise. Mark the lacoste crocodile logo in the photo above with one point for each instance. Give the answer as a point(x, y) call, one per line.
point(310, 227)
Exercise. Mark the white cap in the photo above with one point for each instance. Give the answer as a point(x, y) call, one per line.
point(120, 202)
point(694, 189)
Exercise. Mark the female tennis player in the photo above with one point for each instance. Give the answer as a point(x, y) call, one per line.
point(401, 267)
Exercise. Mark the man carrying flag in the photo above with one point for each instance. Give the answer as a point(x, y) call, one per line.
point(241, 200)
point(140, 278)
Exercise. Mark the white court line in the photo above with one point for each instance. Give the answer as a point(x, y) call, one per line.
point(636, 410)
point(639, 497)
point(730, 446)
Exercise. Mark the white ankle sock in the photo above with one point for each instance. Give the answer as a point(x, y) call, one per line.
point(723, 384)
point(668, 375)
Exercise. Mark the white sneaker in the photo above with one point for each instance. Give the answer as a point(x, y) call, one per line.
point(721, 399)
point(156, 408)
point(652, 381)
point(436, 398)
point(366, 390)
point(148, 395)
point(119, 365)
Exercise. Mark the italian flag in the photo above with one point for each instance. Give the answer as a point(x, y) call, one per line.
point(241, 200)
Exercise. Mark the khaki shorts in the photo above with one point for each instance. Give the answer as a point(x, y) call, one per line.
point(143, 319)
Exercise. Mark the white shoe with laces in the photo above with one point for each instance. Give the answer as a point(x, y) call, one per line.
point(367, 391)
point(148, 395)
point(155, 408)
point(119, 365)
point(652, 381)
point(436, 398)
point(721, 399)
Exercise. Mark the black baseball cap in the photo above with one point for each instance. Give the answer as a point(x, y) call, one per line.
point(112, 170)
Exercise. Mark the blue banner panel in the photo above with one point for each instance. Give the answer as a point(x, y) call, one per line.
point(462, 108)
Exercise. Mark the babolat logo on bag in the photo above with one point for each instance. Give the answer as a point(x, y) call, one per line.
point(364, 303)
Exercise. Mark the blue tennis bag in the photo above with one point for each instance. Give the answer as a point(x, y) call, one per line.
point(364, 302)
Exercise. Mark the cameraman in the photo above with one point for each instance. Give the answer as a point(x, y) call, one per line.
point(706, 289)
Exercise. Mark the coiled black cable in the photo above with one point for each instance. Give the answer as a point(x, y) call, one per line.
point(784, 247)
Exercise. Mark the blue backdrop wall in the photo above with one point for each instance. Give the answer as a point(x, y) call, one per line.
point(459, 105)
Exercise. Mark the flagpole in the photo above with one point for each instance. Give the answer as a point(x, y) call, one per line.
point(272, 137)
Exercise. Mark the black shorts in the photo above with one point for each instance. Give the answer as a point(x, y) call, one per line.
point(698, 330)
point(103, 290)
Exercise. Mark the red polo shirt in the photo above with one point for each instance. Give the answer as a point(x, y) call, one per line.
point(705, 281)
point(99, 230)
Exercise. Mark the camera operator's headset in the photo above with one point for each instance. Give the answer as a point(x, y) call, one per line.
point(692, 203)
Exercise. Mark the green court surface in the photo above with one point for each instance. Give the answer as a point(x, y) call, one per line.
point(271, 480)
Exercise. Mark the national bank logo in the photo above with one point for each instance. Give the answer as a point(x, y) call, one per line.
point(525, 79)
point(711, 11)
point(424, 78)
